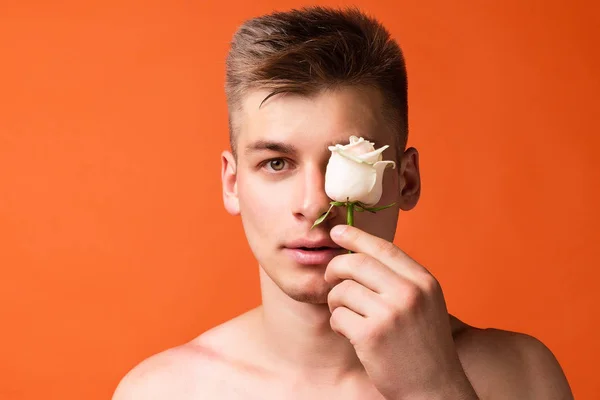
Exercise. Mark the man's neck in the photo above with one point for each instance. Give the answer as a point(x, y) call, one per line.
point(298, 336)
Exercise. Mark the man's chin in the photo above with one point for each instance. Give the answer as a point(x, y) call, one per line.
point(309, 292)
point(310, 298)
point(304, 285)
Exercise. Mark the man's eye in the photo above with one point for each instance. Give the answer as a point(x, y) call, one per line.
point(275, 164)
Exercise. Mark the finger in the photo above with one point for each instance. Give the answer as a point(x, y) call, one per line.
point(357, 240)
point(346, 322)
point(356, 297)
point(363, 269)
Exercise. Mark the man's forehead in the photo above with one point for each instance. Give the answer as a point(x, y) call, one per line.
point(292, 117)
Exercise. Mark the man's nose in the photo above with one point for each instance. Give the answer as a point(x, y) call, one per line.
point(311, 200)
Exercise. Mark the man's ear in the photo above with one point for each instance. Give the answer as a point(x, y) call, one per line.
point(410, 179)
point(229, 180)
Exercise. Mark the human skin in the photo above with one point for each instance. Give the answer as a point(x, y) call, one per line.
point(368, 325)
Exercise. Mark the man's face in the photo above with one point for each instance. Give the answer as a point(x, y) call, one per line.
point(279, 189)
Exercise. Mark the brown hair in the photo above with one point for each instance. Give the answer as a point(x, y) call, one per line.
point(315, 48)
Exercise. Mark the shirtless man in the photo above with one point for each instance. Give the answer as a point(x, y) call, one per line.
point(332, 325)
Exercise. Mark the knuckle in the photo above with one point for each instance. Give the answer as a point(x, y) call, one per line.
point(333, 295)
point(330, 270)
point(372, 335)
point(339, 291)
point(346, 285)
point(431, 284)
point(335, 267)
point(412, 298)
point(362, 260)
point(386, 249)
point(333, 263)
point(334, 319)
point(339, 261)
point(392, 315)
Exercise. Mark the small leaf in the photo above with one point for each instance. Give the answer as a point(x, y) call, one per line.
point(373, 209)
point(322, 217)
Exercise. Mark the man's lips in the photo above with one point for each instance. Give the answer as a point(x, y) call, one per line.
point(313, 243)
point(314, 256)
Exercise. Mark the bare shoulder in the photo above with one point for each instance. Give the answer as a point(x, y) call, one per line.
point(502, 364)
point(200, 369)
point(182, 369)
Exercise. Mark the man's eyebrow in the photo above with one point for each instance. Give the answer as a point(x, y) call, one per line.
point(286, 148)
point(279, 147)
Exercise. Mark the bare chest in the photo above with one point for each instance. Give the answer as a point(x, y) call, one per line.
point(234, 386)
point(278, 392)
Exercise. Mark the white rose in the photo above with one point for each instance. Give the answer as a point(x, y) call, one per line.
point(355, 172)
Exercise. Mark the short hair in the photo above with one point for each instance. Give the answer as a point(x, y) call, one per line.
point(307, 50)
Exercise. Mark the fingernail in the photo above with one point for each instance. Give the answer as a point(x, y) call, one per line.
point(338, 230)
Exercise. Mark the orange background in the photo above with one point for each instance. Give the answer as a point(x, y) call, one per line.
point(114, 243)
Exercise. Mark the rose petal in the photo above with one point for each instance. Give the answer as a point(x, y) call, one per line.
point(358, 148)
point(345, 178)
point(377, 190)
point(355, 172)
point(373, 156)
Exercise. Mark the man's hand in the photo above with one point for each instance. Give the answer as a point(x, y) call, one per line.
point(393, 312)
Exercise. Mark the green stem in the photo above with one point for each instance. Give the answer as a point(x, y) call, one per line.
point(350, 216)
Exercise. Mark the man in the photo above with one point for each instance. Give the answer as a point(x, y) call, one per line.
point(368, 325)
